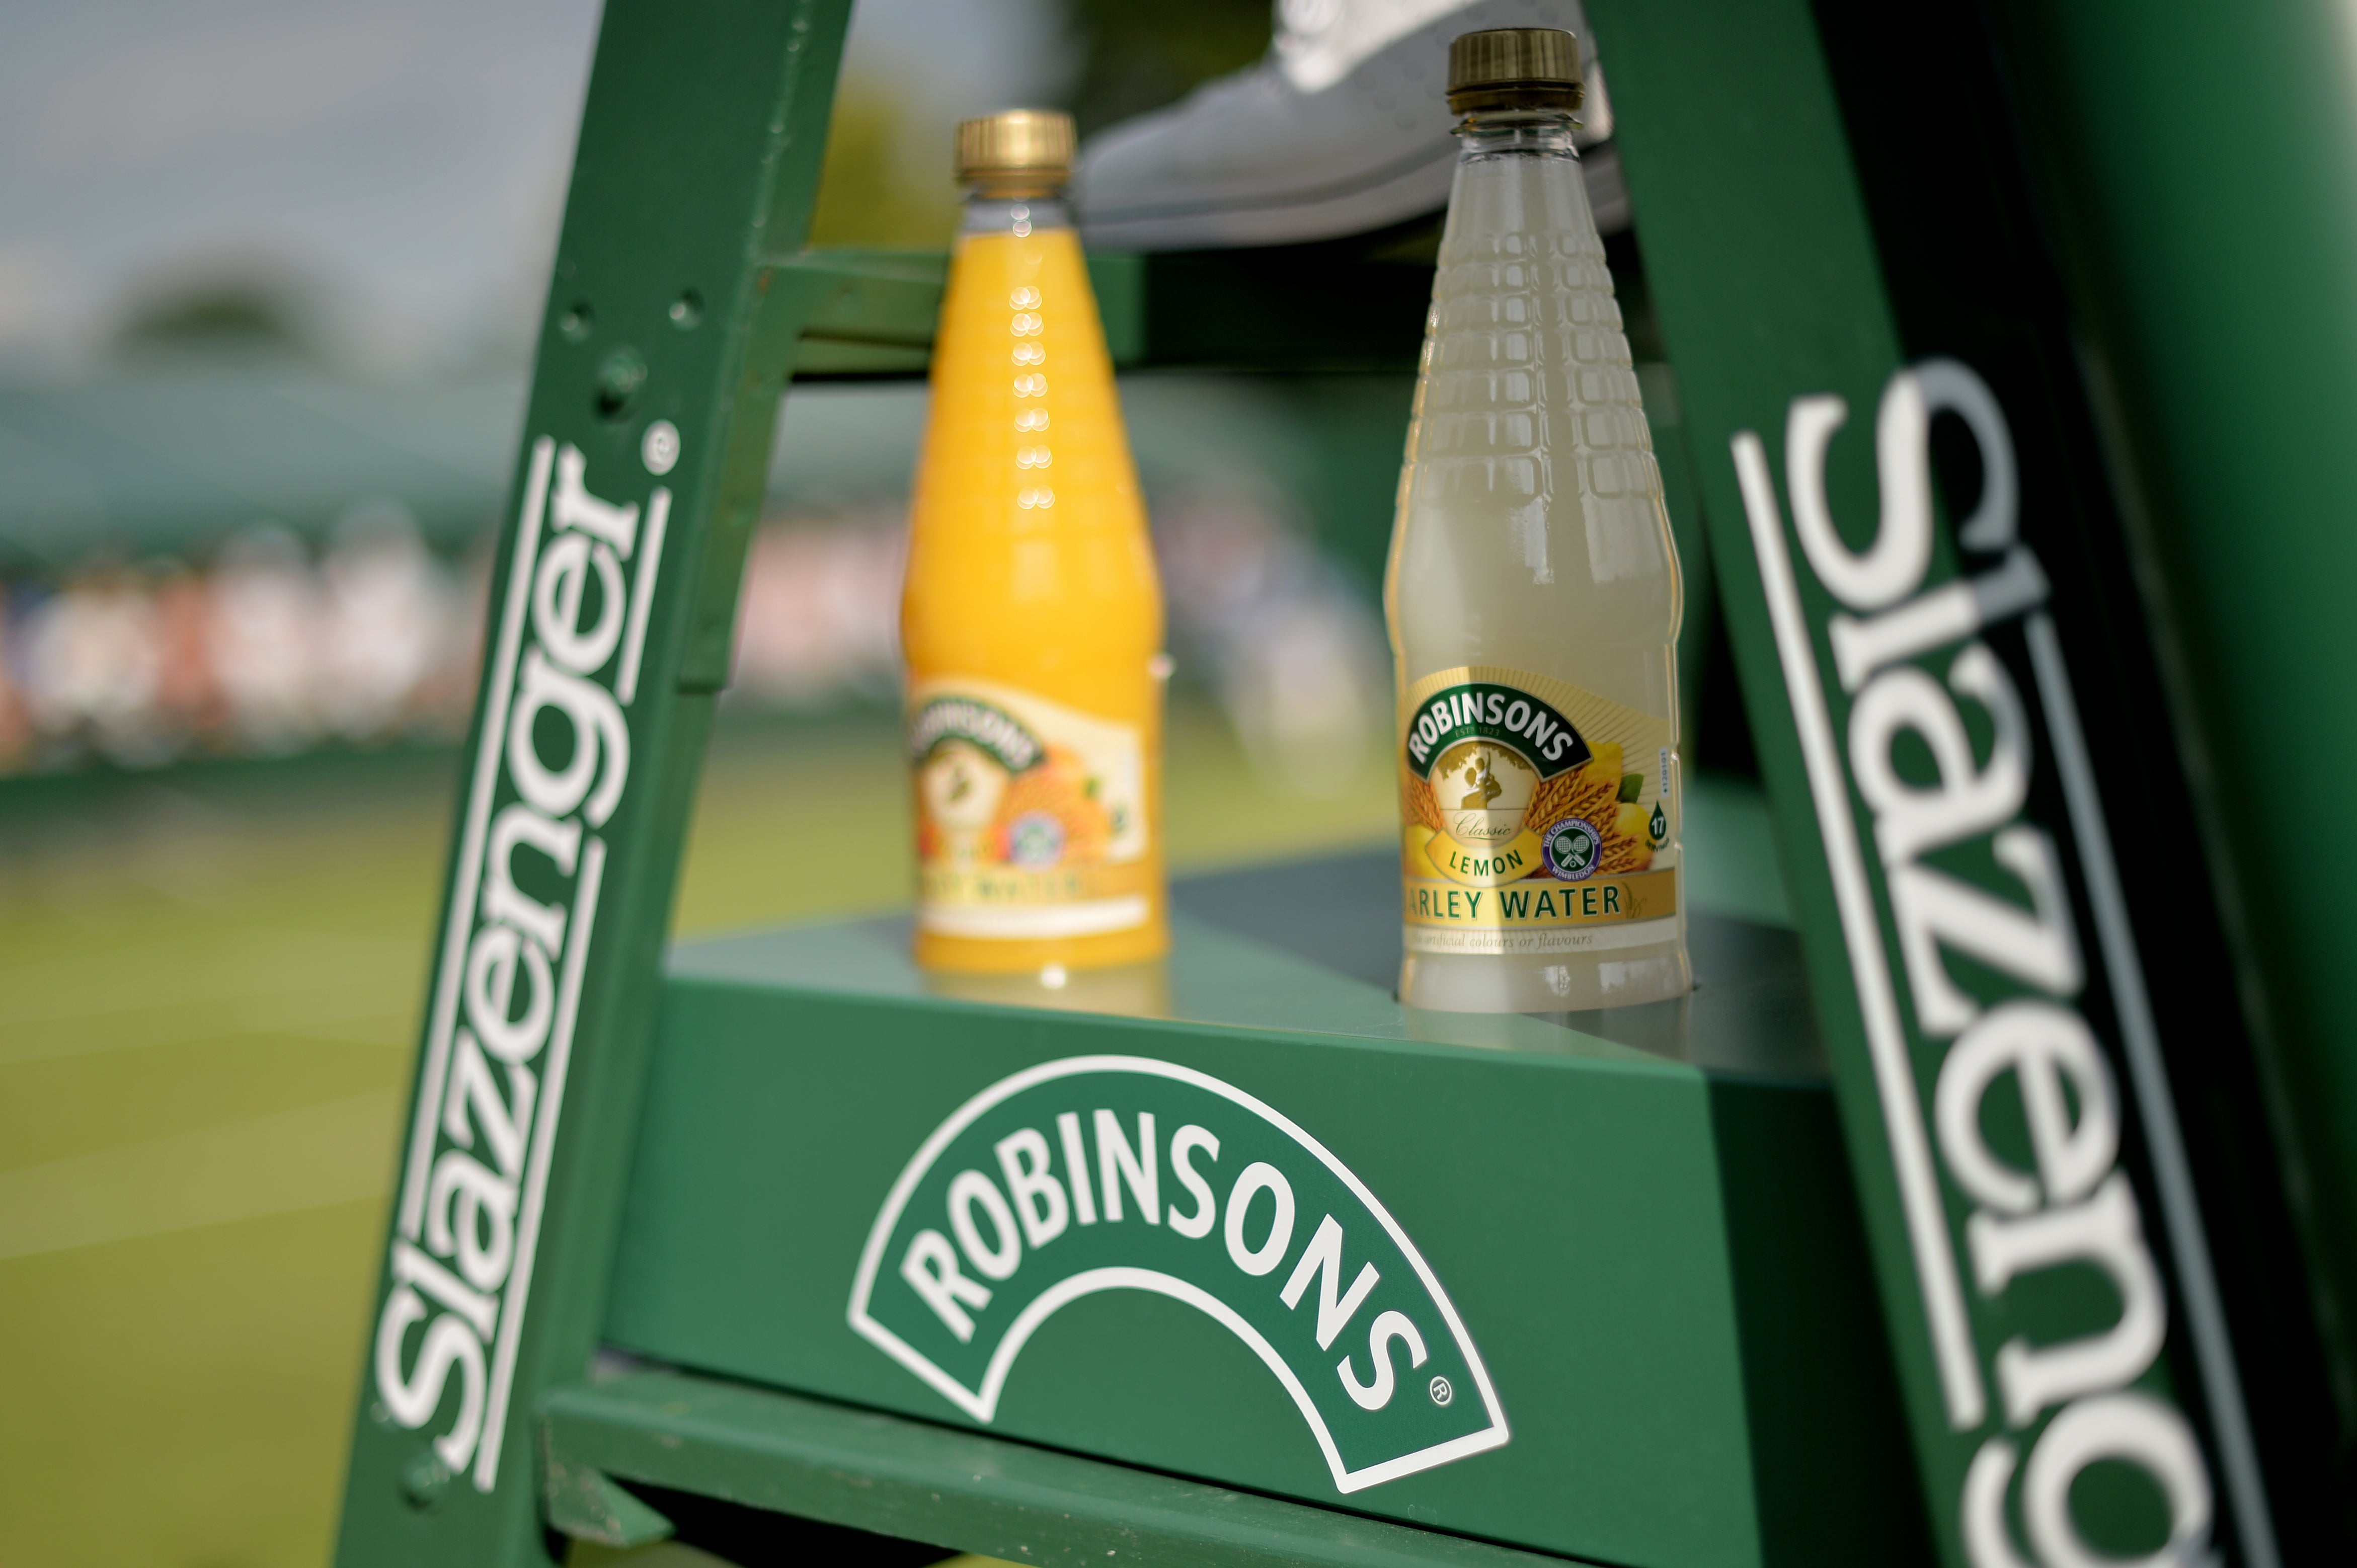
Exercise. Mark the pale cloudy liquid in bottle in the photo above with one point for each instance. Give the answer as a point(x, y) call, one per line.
point(1531, 537)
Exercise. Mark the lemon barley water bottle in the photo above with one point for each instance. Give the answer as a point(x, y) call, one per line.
point(1031, 621)
point(1533, 591)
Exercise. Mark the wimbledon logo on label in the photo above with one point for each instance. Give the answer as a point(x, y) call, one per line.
point(1124, 1173)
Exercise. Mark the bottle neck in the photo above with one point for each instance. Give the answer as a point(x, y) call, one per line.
point(1517, 133)
point(988, 213)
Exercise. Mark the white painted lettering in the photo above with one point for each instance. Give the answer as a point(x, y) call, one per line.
point(998, 1261)
point(1256, 1178)
point(1184, 1142)
point(1890, 569)
point(2132, 1429)
point(1386, 1328)
point(1323, 1259)
point(566, 587)
point(2066, 1204)
point(1118, 1163)
point(557, 590)
point(931, 1267)
point(599, 733)
point(413, 1267)
point(1950, 386)
point(412, 1401)
point(574, 507)
point(1968, 800)
point(2104, 1231)
point(2037, 946)
point(493, 964)
point(1076, 1166)
point(1988, 1542)
point(1039, 1196)
point(518, 827)
point(1950, 613)
point(471, 1211)
point(2043, 1046)
point(475, 1094)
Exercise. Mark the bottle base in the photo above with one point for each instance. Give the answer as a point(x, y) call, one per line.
point(1140, 990)
point(1544, 982)
point(980, 955)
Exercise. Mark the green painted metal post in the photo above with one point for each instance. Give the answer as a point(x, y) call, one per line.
point(670, 324)
point(2217, 272)
point(2055, 1106)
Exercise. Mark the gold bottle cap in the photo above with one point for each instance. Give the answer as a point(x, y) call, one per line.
point(1019, 151)
point(1514, 68)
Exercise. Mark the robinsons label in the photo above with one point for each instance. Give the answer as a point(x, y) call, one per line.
point(1535, 817)
point(1030, 815)
point(1126, 1173)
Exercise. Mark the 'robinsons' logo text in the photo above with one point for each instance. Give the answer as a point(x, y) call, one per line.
point(1126, 1173)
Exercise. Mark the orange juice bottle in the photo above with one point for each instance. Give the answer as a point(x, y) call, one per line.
point(1031, 623)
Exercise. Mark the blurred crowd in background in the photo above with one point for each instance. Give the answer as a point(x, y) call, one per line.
point(264, 646)
point(190, 212)
point(259, 649)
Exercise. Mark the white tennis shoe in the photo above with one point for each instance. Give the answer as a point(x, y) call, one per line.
point(1342, 128)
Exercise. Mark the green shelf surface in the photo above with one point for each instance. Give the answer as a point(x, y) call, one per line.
point(1623, 1244)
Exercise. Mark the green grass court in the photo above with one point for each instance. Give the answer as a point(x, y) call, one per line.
point(209, 991)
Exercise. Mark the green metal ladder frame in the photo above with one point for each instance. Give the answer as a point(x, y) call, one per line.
point(1794, 252)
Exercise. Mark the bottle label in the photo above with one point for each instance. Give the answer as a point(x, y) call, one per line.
point(1030, 816)
point(1536, 817)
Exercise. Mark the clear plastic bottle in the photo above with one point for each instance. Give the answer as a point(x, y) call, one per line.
point(1031, 620)
point(1533, 591)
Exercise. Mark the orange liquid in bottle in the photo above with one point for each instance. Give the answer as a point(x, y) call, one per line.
point(1031, 624)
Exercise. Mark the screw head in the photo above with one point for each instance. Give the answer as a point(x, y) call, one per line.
point(619, 376)
point(424, 1480)
point(659, 448)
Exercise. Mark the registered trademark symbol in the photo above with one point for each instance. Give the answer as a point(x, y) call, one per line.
point(660, 450)
point(1441, 1392)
